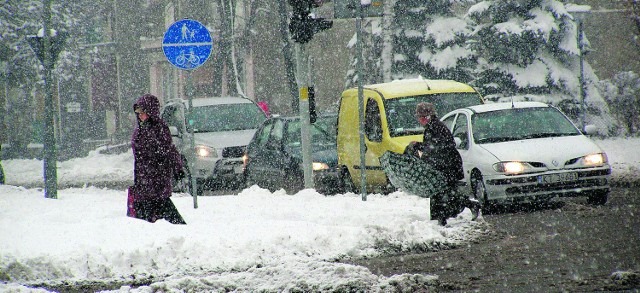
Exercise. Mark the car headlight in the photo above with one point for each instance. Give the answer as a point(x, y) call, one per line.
point(319, 166)
point(598, 159)
point(205, 151)
point(512, 167)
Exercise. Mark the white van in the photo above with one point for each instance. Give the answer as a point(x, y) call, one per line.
point(222, 126)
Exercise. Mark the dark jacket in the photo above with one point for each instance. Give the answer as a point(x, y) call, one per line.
point(439, 150)
point(156, 158)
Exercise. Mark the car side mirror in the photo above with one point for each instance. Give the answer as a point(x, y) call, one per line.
point(590, 129)
point(174, 131)
point(458, 142)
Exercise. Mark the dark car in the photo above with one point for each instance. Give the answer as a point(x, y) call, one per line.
point(273, 159)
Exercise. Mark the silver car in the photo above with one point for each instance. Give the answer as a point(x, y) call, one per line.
point(527, 151)
point(222, 126)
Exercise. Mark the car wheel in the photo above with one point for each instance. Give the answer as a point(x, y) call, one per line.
point(347, 183)
point(598, 198)
point(479, 193)
point(294, 181)
point(248, 180)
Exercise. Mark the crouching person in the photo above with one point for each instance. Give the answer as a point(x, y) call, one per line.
point(438, 149)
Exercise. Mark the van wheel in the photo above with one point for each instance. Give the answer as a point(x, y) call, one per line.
point(184, 184)
point(347, 183)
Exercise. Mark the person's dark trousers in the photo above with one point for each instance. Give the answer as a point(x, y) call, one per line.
point(153, 210)
point(446, 204)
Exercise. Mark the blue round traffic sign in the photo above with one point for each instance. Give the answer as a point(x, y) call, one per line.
point(187, 44)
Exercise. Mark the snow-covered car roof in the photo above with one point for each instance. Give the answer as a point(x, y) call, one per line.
point(507, 105)
point(416, 86)
point(199, 102)
point(219, 100)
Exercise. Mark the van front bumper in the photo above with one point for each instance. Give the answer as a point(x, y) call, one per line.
point(219, 170)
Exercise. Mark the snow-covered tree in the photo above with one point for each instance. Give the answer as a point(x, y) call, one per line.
point(529, 49)
point(430, 41)
point(20, 70)
point(622, 92)
point(371, 39)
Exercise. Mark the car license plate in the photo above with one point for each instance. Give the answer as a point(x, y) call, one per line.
point(559, 177)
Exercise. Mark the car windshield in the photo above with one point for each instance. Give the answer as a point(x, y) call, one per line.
point(401, 112)
point(226, 117)
point(323, 133)
point(517, 124)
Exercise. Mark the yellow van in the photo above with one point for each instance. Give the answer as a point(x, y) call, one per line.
point(390, 123)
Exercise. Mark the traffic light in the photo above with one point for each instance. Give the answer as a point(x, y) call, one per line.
point(313, 115)
point(301, 25)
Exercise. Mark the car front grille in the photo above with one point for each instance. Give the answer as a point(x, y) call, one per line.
point(560, 186)
point(233, 152)
point(587, 179)
point(534, 179)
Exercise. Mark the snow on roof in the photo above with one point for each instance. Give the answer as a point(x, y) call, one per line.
point(506, 105)
point(199, 102)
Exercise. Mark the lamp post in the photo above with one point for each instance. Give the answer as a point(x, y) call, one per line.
point(579, 12)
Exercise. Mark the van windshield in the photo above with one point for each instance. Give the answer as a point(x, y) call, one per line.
point(401, 112)
point(226, 117)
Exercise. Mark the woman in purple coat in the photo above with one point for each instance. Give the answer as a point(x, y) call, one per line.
point(156, 162)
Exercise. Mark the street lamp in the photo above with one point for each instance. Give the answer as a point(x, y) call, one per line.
point(580, 12)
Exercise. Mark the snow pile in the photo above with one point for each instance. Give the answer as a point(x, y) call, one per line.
point(256, 240)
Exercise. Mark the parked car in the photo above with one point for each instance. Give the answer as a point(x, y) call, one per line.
point(274, 158)
point(222, 126)
point(390, 123)
point(527, 151)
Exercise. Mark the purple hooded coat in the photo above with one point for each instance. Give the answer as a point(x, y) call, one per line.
point(156, 158)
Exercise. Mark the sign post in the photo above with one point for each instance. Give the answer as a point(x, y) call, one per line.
point(47, 47)
point(187, 45)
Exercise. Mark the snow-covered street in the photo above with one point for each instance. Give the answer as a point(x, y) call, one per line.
point(255, 240)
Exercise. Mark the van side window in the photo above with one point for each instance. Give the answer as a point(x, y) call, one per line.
point(373, 125)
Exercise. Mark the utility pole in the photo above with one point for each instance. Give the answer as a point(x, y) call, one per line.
point(580, 12)
point(359, 71)
point(302, 60)
point(50, 155)
point(117, 47)
point(582, 84)
point(359, 9)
